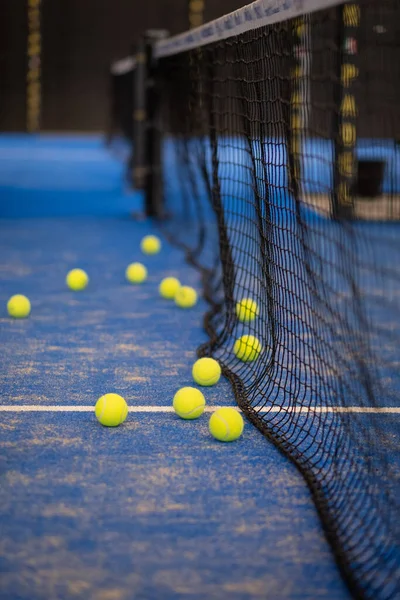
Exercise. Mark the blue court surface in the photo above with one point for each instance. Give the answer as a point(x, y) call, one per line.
point(154, 509)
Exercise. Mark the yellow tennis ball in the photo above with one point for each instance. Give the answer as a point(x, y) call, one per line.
point(150, 244)
point(18, 306)
point(246, 310)
point(206, 371)
point(189, 403)
point(77, 280)
point(247, 348)
point(136, 273)
point(185, 297)
point(168, 287)
point(111, 410)
point(226, 424)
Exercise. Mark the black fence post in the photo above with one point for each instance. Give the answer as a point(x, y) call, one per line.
point(147, 167)
point(139, 158)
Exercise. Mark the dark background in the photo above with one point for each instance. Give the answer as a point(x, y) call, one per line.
point(80, 38)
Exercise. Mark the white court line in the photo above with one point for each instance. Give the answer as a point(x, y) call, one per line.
point(21, 408)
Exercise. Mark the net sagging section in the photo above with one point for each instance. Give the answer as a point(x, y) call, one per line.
point(264, 127)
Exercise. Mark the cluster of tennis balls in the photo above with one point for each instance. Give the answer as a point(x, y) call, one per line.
point(247, 348)
point(19, 306)
point(170, 288)
point(225, 424)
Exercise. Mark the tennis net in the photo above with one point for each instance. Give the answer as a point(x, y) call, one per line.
point(279, 128)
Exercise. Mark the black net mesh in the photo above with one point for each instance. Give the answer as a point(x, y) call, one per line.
point(254, 159)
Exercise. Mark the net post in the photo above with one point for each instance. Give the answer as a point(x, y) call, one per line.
point(147, 127)
point(138, 159)
point(345, 164)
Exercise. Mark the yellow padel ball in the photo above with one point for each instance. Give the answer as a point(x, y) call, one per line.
point(77, 280)
point(247, 348)
point(136, 273)
point(111, 410)
point(186, 297)
point(168, 287)
point(189, 403)
point(18, 306)
point(226, 424)
point(246, 310)
point(150, 244)
point(206, 371)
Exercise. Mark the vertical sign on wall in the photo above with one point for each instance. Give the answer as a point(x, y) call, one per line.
point(298, 101)
point(345, 147)
point(196, 13)
point(33, 76)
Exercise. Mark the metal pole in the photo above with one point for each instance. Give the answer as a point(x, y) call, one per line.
point(139, 158)
point(147, 148)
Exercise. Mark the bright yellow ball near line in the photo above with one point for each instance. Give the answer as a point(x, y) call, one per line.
point(206, 371)
point(150, 244)
point(186, 297)
point(77, 280)
point(247, 310)
point(168, 287)
point(226, 424)
point(189, 403)
point(136, 273)
point(18, 306)
point(111, 410)
point(247, 348)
